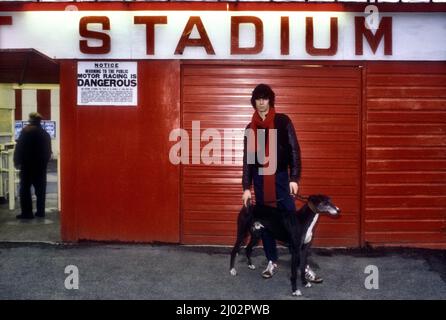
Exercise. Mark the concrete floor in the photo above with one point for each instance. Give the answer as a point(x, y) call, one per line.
point(33, 263)
point(35, 230)
point(154, 272)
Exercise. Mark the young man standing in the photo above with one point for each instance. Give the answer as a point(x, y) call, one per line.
point(276, 188)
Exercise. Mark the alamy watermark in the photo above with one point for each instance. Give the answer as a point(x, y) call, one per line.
point(372, 20)
point(371, 282)
point(72, 281)
point(220, 146)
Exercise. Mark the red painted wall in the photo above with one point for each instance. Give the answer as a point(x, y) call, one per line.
point(18, 104)
point(44, 103)
point(117, 183)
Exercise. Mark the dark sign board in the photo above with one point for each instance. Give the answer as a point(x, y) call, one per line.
point(49, 126)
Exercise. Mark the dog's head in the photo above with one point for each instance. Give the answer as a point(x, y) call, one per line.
point(322, 205)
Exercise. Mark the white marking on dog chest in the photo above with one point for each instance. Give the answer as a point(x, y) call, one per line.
point(258, 225)
point(309, 234)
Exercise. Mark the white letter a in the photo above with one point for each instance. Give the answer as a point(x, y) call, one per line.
point(72, 281)
point(372, 280)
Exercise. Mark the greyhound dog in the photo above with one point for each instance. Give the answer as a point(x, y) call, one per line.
point(294, 228)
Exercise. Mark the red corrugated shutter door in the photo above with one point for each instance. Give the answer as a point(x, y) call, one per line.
point(405, 187)
point(324, 105)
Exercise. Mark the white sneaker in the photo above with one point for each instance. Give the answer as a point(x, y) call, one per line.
point(311, 276)
point(270, 270)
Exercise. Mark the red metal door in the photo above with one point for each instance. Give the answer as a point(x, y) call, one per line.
point(405, 185)
point(324, 105)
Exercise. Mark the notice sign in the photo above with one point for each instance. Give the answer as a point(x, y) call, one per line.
point(48, 125)
point(107, 83)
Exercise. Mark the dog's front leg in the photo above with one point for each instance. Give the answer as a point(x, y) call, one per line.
point(255, 238)
point(243, 223)
point(234, 253)
point(303, 264)
point(294, 265)
point(291, 226)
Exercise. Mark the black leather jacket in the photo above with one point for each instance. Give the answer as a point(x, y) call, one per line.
point(288, 152)
point(33, 149)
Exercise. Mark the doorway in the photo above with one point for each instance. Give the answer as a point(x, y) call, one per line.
point(324, 103)
point(19, 101)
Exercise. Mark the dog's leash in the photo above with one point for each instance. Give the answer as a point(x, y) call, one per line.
point(297, 196)
point(301, 198)
point(305, 199)
point(309, 203)
point(250, 202)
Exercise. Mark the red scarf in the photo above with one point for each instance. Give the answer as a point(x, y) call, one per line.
point(269, 181)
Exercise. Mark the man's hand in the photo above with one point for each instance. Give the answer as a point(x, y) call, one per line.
point(246, 196)
point(294, 187)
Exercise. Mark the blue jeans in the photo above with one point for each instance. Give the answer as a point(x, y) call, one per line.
point(284, 203)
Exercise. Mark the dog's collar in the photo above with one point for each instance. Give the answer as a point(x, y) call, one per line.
point(311, 205)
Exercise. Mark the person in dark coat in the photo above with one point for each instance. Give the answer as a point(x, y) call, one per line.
point(31, 156)
point(278, 187)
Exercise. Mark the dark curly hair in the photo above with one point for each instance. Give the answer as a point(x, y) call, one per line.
point(263, 91)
